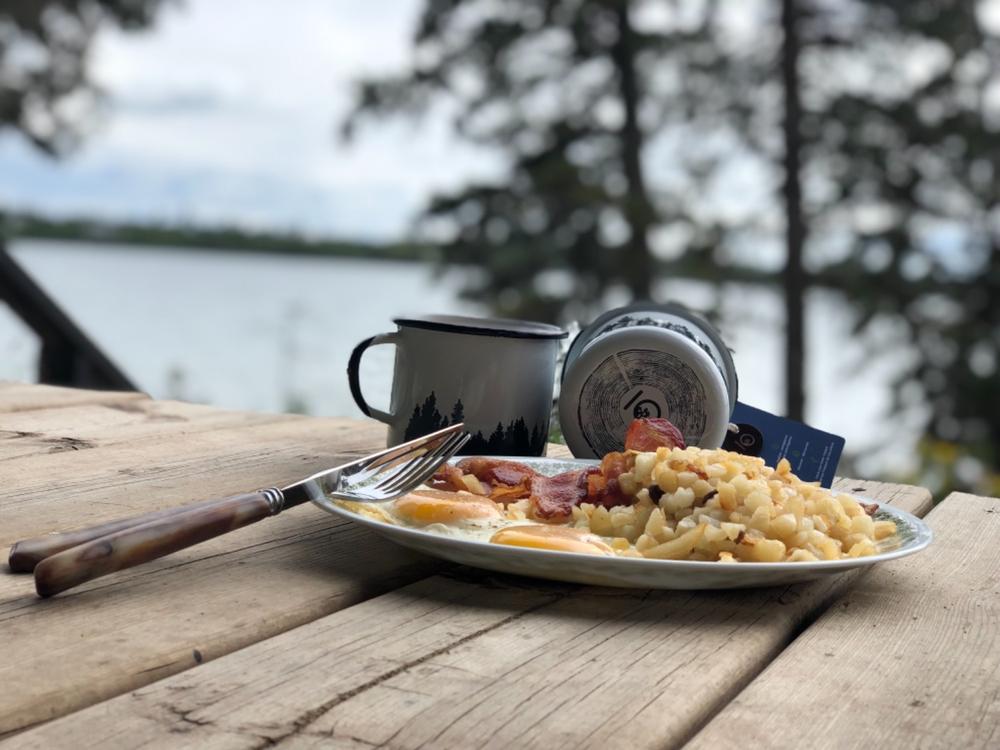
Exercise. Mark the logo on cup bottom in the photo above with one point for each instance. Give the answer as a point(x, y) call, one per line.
point(643, 401)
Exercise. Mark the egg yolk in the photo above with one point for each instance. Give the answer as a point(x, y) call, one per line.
point(425, 507)
point(559, 538)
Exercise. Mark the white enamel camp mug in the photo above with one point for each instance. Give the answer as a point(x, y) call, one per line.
point(497, 376)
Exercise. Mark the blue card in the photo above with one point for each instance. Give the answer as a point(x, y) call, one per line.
point(813, 454)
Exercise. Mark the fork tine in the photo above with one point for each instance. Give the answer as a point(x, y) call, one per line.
point(423, 466)
point(401, 454)
point(445, 454)
point(429, 471)
point(422, 473)
point(404, 477)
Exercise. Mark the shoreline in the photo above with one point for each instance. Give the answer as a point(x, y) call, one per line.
point(28, 227)
point(14, 227)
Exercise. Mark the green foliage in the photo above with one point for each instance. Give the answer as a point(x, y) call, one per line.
point(905, 173)
point(217, 238)
point(45, 89)
point(900, 169)
point(900, 178)
point(565, 91)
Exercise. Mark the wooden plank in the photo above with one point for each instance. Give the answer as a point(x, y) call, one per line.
point(908, 658)
point(558, 450)
point(174, 463)
point(77, 488)
point(135, 456)
point(915, 500)
point(67, 653)
point(472, 659)
point(86, 426)
point(126, 630)
point(15, 397)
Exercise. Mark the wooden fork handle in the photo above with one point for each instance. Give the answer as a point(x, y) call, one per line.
point(135, 545)
point(27, 553)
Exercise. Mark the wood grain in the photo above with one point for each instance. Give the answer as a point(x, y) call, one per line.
point(79, 427)
point(133, 627)
point(15, 397)
point(471, 659)
point(903, 496)
point(171, 466)
point(558, 450)
point(908, 658)
point(75, 458)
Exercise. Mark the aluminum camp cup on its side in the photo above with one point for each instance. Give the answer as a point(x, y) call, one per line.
point(646, 360)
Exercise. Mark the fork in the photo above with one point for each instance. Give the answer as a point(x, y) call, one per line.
point(62, 561)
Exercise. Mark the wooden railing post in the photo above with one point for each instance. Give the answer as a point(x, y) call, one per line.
point(68, 356)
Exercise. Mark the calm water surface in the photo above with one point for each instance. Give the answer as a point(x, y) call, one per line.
point(246, 331)
point(273, 333)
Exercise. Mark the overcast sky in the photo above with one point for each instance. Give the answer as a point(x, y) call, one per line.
point(227, 111)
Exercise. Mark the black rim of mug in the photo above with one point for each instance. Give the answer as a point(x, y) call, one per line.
point(493, 327)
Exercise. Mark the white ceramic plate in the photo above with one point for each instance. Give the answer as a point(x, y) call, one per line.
point(913, 535)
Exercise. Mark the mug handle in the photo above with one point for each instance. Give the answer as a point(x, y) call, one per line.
point(353, 375)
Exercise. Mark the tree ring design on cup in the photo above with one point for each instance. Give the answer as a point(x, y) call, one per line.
point(628, 382)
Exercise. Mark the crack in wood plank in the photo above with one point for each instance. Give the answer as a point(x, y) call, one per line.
point(68, 444)
point(238, 623)
point(301, 722)
point(156, 667)
point(184, 716)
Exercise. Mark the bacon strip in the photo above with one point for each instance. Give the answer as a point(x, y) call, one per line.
point(497, 471)
point(553, 498)
point(504, 481)
point(651, 433)
point(603, 489)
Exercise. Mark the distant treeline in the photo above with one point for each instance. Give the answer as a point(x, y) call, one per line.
point(15, 225)
point(34, 226)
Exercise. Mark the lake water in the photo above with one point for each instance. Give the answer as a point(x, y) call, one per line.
point(273, 333)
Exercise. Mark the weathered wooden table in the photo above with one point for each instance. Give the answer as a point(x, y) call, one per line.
point(307, 631)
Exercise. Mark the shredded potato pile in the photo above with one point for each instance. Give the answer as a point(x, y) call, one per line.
point(695, 504)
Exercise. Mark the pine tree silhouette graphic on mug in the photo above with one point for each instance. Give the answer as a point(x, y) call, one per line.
point(513, 440)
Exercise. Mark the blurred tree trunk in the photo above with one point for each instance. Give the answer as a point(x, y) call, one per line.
point(562, 91)
point(795, 230)
point(638, 208)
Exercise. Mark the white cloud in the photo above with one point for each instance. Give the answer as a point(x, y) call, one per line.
point(228, 111)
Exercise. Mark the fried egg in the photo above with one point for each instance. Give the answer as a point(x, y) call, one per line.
point(558, 538)
point(464, 515)
point(425, 507)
